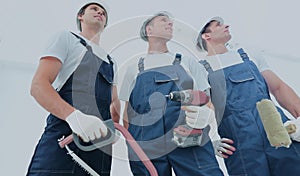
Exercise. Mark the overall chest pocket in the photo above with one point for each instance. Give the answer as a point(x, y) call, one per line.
point(149, 85)
point(163, 78)
point(241, 88)
point(166, 83)
point(241, 76)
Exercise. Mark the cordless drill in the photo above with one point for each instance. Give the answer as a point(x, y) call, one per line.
point(184, 135)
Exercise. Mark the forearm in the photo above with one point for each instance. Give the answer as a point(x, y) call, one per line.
point(115, 110)
point(125, 116)
point(115, 105)
point(284, 94)
point(288, 99)
point(49, 99)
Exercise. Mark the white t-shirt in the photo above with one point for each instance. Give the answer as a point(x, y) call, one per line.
point(191, 66)
point(232, 57)
point(68, 49)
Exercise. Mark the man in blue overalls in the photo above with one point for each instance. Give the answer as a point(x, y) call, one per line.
point(151, 117)
point(83, 75)
point(237, 84)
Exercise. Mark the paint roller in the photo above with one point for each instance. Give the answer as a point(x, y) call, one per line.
point(277, 134)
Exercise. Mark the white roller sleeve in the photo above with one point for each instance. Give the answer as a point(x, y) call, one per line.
point(271, 119)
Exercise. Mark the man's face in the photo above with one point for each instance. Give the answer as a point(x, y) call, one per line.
point(93, 15)
point(161, 27)
point(217, 33)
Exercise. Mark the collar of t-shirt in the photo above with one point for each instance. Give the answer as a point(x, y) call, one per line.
point(97, 50)
point(221, 61)
point(158, 60)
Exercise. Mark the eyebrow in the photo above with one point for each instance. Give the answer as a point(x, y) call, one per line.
point(96, 6)
point(217, 22)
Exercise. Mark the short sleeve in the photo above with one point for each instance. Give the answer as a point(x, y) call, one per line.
point(115, 67)
point(57, 46)
point(259, 59)
point(198, 73)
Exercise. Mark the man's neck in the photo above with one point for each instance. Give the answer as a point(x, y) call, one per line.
point(92, 35)
point(216, 49)
point(157, 47)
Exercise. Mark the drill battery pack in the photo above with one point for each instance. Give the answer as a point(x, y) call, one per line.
point(185, 136)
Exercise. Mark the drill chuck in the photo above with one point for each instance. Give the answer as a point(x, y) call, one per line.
point(189, 97)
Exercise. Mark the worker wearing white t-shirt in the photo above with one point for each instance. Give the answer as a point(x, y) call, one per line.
point(75, 82)
point(238, 82)
point(151, 117)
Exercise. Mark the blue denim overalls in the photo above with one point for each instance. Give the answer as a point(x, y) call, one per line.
point(152, 119)
point(89, 90)
point(234, 93)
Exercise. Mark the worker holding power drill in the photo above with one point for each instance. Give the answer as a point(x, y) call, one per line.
point(195, 119)
point(238, 83)
point(152, 117)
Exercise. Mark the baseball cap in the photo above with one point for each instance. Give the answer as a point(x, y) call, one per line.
point(143, 32)
point(200, 41)
point(85, 5)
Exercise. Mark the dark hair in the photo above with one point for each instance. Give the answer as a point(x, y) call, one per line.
point(82, 10)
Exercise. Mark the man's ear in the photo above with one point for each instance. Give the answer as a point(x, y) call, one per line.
point(205, 36)
point(149, 29)
point(79, 17)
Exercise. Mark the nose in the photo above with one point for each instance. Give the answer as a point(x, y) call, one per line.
point(170, 23)
point(101, 13)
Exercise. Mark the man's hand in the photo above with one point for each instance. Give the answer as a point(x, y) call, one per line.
point(295, 135)
point(88, 127)
point(197, 116)
point(223, 147)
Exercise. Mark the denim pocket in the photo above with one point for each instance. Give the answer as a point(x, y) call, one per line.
point(50, 158)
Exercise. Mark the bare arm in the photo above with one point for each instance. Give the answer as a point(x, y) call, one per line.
point(284, 94)
point(125, 116)
point(44, 93)
point(115, 105)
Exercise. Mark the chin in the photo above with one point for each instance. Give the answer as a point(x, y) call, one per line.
point(169, 37)
point(228, 38)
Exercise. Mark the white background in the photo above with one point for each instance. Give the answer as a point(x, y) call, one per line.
point(270, 27)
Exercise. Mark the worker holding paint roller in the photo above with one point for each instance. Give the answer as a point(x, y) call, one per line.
point(237, 84)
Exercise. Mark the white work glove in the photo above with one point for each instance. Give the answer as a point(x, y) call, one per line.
point(223, 147)
point(197, 116)
point(88, 127)
point(296, 135)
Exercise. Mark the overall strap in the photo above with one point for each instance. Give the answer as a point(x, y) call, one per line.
point(110, 59)
point(177, 60)
point(206, 65)
point(243, 55)
point(141, 64)
point(82, 41)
